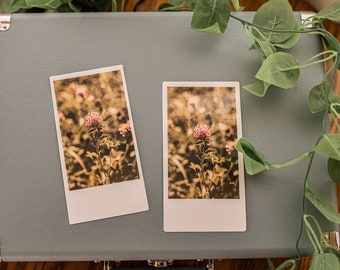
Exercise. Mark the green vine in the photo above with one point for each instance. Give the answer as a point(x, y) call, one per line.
point(274, 28)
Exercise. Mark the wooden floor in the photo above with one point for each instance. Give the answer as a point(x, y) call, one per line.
point(234, 264)
point(231, 264)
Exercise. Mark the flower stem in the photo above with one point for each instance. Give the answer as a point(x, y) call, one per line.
point(204, 187)
point(96, 136)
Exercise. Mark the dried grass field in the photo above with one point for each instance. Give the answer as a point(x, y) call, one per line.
point(95, 130)
point(202, 130)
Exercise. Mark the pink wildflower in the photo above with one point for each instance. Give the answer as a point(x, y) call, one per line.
point(93, 119)
point(194, 101)
point(61, 116)
point(230, 146)
point(125, 128)
point(202, 132)
point(90, 98)
point(171, 123)
point(81, 90)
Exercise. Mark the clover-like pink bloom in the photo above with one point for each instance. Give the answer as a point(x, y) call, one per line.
point(125, 128)
point(61, 117)
point(193, 101)
point(81, 90)
point(93, 119)
point(202, 132)
point(230, 146)
point(171, 123)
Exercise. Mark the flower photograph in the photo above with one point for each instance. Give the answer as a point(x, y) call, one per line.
point(202, 130)
point(95, 128)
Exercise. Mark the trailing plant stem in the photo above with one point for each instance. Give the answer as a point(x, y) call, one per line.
point(312, 154)
point(311, 157)
point(327, 55)
point(331, 55)
point(290, 163)
point(123, 6)
point(335, 114)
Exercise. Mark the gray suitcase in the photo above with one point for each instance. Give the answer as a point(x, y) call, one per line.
point(152, 47)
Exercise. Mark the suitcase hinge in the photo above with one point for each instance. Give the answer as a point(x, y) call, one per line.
point(333, 239)
point(5, 22)
point(306, 16)
point(160, 263)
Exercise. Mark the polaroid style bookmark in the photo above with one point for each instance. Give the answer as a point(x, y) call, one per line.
point(203, 181)
point(99, 157)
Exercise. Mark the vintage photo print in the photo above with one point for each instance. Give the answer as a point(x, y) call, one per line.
point(203, 173)
point(97, 144)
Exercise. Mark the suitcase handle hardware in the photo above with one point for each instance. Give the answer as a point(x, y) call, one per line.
point(211, 265)
point(156, 263)
point(332, 239)
point(306, 16)
point(5, 22)
point(160, 263)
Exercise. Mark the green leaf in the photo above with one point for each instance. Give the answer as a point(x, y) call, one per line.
point(317, 97)
point(330, 42)
point(329, 146)
point(266, 47)
point(290, 42)
point(259, 88)
point(69, 7)
point(254, 161)
point(282, 266)
point(176, 2)
point(270, 265)
point(75, 7)
point(64, 8)
point(276, 15)
point(183, 3)
point(331, 12)
point(100, 5)
point(324, 261)
point(114, 6)
point(334, 97)
point(236, 5)
point(176, 5)
point(322, 205)
point(16, 5)
point(166, 7)
point(211, 16)
point(4, 4)
point(333, 168)
point(332, 250)
point(280, 69)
